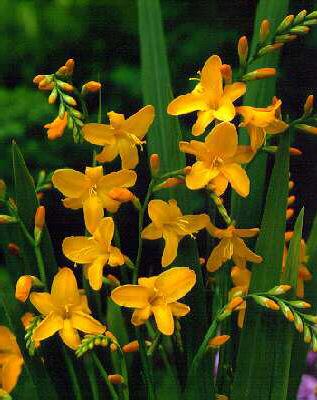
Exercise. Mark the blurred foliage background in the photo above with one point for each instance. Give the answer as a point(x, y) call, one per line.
point(37, 36)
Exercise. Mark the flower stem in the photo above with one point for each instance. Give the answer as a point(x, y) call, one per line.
point(104, 374)
point(72, 374)
point(40, 265)
point(91, 376)
point(221, 208)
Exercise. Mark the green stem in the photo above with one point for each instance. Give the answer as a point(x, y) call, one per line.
point(25, 232)
point(221, 208)
point(40, 265)
point(91, 376)
point(72, 374)
point(104, 374)
point(154, 344)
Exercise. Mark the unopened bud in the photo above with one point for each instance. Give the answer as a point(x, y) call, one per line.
point(312, 15)
point(285, 24)
point(300, 17)
point(66, 86)
point(298, 322)
point(171, 182)
point(7, 219)
point(270, 48)
point(136, 203)
point(314, 343)
point(311, 318)
point(300, 30)
point(291, 200)
point(235, 303)
point(285, 38)
point(27, 319)
point(187, 170)
point(226, 72)
point(287, 312)
point(39, 219)
point(155, 164)
point(38, 78)
point(218, 341)
point(243, 49)
point(307, 128)
point(289, 213)
point(121, 194)
point(277, 290)
point(291, 185)
point(23, 287)
point(131, 347)
point(69, 100)
point(91, 87)
point(113, 347)
point(264, 30)
point(266, 302)
point(299, 304)
point(309, 105)
point(62, 71)
point(311, 22)
point(13, 249)
point(53, 96)
point(307, 334)
point(70, 64)
point(116, 379)
point(293, 151)
point(260, 73)
point(202, 261)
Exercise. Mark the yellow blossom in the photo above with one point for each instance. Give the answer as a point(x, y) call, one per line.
point(218, 161)
point(231, 246)
point(209, 98)
point(241, 280)
point(121, 136)
point(65, 311)
point(57, 127)
point(90, 191)
point(95, 251)
point(157, 295)
point(262, 121)
point(11, 360)
point(169, 222)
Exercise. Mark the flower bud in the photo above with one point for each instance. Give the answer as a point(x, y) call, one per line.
point(309, 105)
point(266, 302)
point(264, 30)
point(226, 72)
point(307, 334)
point(287, 312)
point(285, 38)
point(69, 100)
point(187, 170)
point(298, 322)
point(23, 287)
point(113, 280)
point(289, 213)
point(300, 17)
point(243, 49)
point(27, 319)
point(70, 64)
point(202, 261)
point(155, 164)
point(293, 151)
point(121, 194)
point(169, 183)
point(300, 30)
point(307, 128)
point(277, 290)
point(312, 15)
point(291, 185)
point(269, 48)
point(38, 78)
point(91, 87)
point(116, 379)
point(39, 219)
point(13, 249)
point(314, 343)
point(131, 347)
point(311, 22)
point(299, 304)
point(260, 73)
point(235, 303)
point(53, 96)
point(7, 219)
point(285, 24)
point(218, 341)
point(311, 318)
point(113, 347)
point(66, 86)
point(291, 200)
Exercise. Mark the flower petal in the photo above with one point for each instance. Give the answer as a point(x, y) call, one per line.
point(70, 182)
point(277, 126)
point(243, 155)
point(43, 302)
point(140, 316)
point(200, 175)
point(219, 255)
point(257, 137)
point(131, 296)
point(235, 90)
point(204, 118)
point(93, 213)
point(8, 343)
point(194, 147)
point(247, 232)
point(51, 324)
point(241, 250)
point(179, 309)
point(222, 141)
point(164, 319)
point(73, 203)
point(175, 283)
point(139, 123)
point(99, 134)
point(70, 335)
point(64, 288)
point(218, 184)
point(104, 233)
point(237, 177)
point(86, 323)
point(162, 212)
point(116, 258)
point(124, 178)
point(210, 77)
point(95, 271)
point(151, 232)
point(187, 103)
point(240, 277)
point(191, 224)
point(10, 372)
point(108, 153)
point(171, 246)
point(81, 249)
point(128, 153)
point(226, 110)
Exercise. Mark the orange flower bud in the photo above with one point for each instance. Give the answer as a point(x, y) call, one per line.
point(111, 336)
point(264, 30)
point(69, 100)
point(116, 379)
point(13, 249)
point(270, 48)
point(155, 164)
point(291, 185)
point(39, 219)
point(171, 182)
point(285, 24)
point(298, 323)
point(39, 195)
point(7, 219)
point(293, 151)
point(288, 235)
point(70, 64)
point(271, 304)
point(226, 72)
point(261, 73)
point(309, 105)
point(243, 49)
point(291, 200)
point(218, 340)
point(307, 128)
point(26, 319)
point(234, 303)
point(289, 213)
point(113, 347)
point(202, 261)
point(115, 281)
point(52, 97)
point(38, 78)
point(187, 170)
point(131, 347)
point(285, 38)
point(23, 287)
point(300, 30)
point(66, 86)
point(91, 86)
point(121, 194)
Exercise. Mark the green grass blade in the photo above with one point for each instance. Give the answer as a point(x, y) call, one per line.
point(253, 377)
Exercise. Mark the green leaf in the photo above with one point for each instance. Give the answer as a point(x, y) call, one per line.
point(258, 338)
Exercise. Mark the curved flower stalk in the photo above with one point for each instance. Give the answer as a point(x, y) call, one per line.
point(65, 311)
point(231, 246)
point(11, 360)
point(90, 191)
point(262, 121)
point(157, 295)
point(169, 223)
point(209, 98)
point(218, 161)
point(95, 251)
point(121, 136)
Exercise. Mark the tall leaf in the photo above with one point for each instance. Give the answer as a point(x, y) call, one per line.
point(253, 376)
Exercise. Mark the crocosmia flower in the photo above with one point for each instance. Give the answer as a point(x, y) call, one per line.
point(218, 161)
point(90, 191)
point(56, 128)
point(209, 98)
point(169, 223)
point(157, 296)
point(65, 311)
point(121, 136)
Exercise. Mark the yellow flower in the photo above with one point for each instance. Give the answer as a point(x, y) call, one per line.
point(241, 279)
point(231, 246)
point(57, 127)
point(65, 311)
point(11, 360)
point(96, 251)
point(218, 160)
point(209, 98)
point(90, 191)
point(262, 121)
point(121, 136)
point(169, 222)
point(157, 295)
